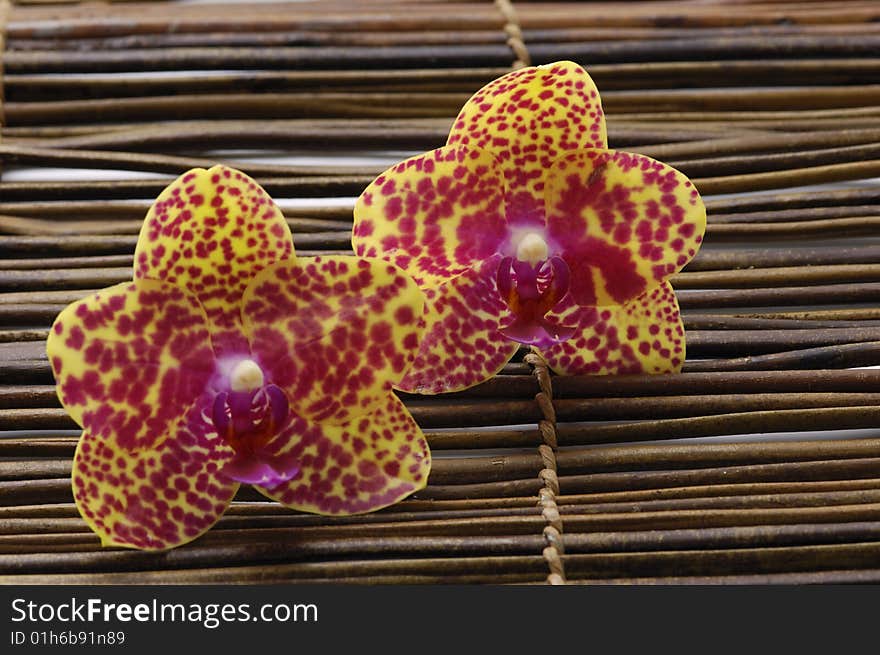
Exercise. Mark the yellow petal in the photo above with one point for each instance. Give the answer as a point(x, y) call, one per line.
point(210, 232)
point(527, 119)
point(131, 359)
point(154, 497)
point(644, 336)
point(333, 332)
point(372, 462)
point(463, 345)
point(433, 215)
point(624, 223)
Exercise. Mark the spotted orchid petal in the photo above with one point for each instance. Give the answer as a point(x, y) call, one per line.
point(624, 223)
point(154, 497)
point(371, 462)
point(646, 335)
point(463, 343)
point(210, 232)
point(130, 360)
point(433, 215)
point(527, 119)
point(334, 333)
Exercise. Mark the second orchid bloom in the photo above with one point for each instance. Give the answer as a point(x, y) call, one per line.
point(526, 229)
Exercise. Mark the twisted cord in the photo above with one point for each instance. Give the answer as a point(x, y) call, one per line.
point(553, 531)
point(514, 34)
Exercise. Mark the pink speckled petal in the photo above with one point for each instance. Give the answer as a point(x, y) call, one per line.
point(130, 360)
point(528, 118)
point(624, 223)
point(644, 336)
point(210, 232)
point(370, 463)
point(433, 215)
point(463, 344)
point(333, 332)
point(154, 497)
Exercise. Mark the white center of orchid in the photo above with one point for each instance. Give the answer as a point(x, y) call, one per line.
point(532, 249)
point(246, 376)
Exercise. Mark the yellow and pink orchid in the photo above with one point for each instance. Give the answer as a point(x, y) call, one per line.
point(229, 360)
point(526, 229)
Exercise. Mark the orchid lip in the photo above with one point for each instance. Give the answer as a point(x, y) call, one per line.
point(247, 421)
point(531, 290)
point(262, 469)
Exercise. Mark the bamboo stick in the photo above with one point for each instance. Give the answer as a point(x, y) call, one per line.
point(44, 413)
point(762, 297)
point(855, 313)
point(131, 209)
point(698, 48)
point(722, 537)
point(732, 165)
point(37, 227)
point(841, 576)
point(425, 570)
point(789, 500)
point(27, 24)
point(795, 200)
point(694, 321)
point(342, 37)
point(740, 423)
point(717, 259)
point(299, 186)
point(717, 491)
point(792, 215)
point(267, 105)
point(153, 163)
point(800, 471)
point(292, 549)
point(781, 276)
point(822, 357)
point(609, 77)
point(737, 561)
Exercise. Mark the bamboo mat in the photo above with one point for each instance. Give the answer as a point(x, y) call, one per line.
point(758, 464)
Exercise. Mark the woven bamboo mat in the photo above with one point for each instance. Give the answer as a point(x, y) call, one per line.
point(759, 464)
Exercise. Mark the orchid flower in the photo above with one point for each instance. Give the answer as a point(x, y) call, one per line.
point(228, 360)
point(526, 230)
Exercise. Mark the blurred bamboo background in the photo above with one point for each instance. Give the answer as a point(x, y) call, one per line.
point(760, 463)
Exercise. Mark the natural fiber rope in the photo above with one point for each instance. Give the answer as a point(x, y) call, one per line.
point(514, 34)
point(547, 496)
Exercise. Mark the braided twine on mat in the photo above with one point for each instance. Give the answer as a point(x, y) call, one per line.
point(547, 495)
point(514, 34)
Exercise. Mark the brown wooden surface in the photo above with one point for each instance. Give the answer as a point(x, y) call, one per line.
point(536, 478)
